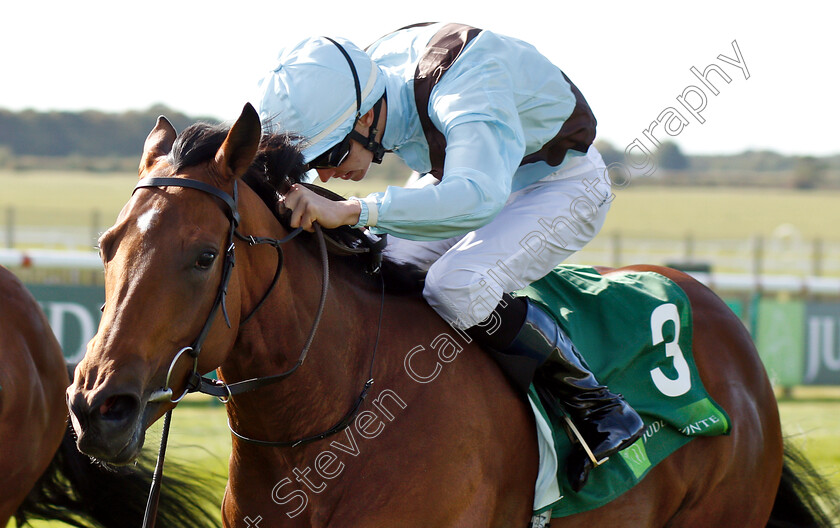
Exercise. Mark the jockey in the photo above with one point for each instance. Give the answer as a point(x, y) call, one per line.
point(511, 186)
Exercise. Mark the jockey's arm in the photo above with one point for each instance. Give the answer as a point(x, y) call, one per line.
point(481, 159)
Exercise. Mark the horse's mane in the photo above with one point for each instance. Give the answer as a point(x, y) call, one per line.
point(277, 166)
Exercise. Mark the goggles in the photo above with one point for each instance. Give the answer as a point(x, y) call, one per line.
point(334, 156)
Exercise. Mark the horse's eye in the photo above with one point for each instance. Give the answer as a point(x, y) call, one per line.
point(205, 260)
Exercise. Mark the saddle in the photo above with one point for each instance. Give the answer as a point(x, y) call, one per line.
point(614, 321)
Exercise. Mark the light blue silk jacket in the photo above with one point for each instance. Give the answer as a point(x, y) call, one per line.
point(499, 101)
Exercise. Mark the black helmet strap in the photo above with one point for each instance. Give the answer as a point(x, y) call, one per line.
point(368, 142)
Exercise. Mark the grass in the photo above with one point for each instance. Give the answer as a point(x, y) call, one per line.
point(45, 198)
point(199, 434)
point(48, 198)
point(723, 212)
point(810, 420)
point(673, 212)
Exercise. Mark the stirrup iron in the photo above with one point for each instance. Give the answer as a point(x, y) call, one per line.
point(541, 520)
point(586, 448)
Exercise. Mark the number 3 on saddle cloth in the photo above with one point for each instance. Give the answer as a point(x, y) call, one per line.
point(634, 331)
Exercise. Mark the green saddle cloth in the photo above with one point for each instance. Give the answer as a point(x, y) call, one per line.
point(634, 330)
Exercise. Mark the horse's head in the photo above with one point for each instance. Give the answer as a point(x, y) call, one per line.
point(164, 262)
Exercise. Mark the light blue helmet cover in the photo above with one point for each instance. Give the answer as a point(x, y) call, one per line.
point(310, 92)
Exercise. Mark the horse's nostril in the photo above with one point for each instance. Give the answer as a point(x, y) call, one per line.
point(118, 407)
point(78, 409)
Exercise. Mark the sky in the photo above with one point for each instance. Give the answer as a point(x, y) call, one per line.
point(631, 60)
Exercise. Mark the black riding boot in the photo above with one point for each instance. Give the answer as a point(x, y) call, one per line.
point(605, 421)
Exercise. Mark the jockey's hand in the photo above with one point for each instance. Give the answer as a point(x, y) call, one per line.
point(308, 207)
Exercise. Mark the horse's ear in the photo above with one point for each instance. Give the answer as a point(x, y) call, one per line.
point(241, 144)
point(158, 143)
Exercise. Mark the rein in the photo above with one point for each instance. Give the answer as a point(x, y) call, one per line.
point(218, 388)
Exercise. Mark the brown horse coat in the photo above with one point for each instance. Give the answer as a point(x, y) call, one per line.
point(33, 378)
point(442, 440)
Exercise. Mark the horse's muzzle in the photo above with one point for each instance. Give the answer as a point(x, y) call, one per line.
point(108, 425)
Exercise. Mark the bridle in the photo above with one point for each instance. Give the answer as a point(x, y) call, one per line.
point(218, 388)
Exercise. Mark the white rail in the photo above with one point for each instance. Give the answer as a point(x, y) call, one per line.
point(718, 281)
point(50, 259)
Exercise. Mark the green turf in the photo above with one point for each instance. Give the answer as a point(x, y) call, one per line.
point(46, 198)
point(69, 198)
point(725, 212)
point(811, 420)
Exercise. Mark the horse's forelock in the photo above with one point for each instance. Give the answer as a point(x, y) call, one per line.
point(280, 160)
point(278, 164)
point(197, 144)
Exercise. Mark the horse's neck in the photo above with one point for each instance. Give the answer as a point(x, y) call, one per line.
point(322, 390)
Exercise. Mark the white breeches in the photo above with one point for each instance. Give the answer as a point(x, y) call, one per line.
point(538, 228)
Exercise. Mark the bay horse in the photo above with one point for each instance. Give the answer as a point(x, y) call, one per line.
point(42, 474)
point(366, 410)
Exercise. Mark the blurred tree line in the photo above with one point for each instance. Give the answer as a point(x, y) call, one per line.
point(108, 142)
point(749, 168)
point(88, 133)
point(89, 140)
